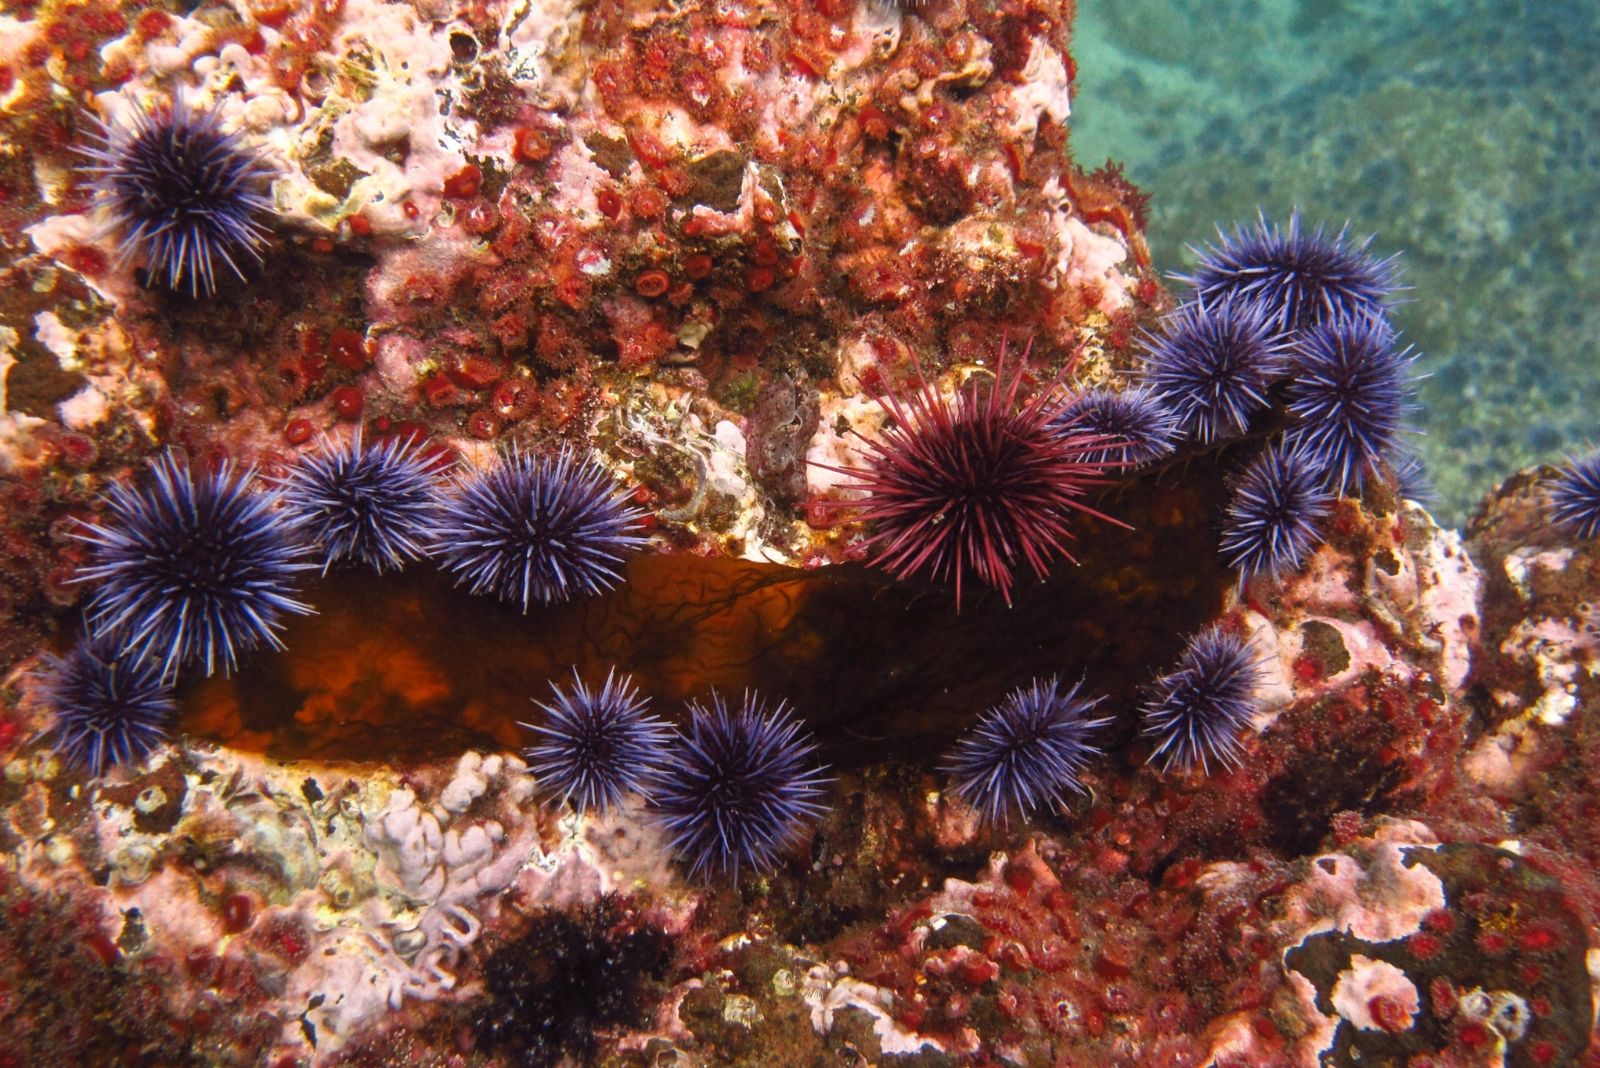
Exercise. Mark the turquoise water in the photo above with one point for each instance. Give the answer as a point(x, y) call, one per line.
point(1461, 134)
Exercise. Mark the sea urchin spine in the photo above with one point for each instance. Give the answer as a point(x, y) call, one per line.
point(975, 487)
point(598, 745)
point(1575, 496)
point(192, 570)
point(740, 788)
point(1133, 425)
point(1212, 365)
point(109, 708)
point(183, 196)
point(1298, 278)
point(1025, 751)
point(537, 529)
point(1272, 519)
point(1196, 711)
point(1350, 394)
point(373, 504)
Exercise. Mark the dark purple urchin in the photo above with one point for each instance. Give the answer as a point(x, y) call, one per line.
point(599, 745)
point(1350, 391)
point(182, 194)
point(537, 529)
point(192, 570)
point(1133, 426)
point(109, 709)
point(1272, 519)
point(1212, 365)
point(976, 487)
point(1575, 496)
point(1196, 712)
point(1298, 279)
point(1025, 751)
point(374, 504)
point(740, 788)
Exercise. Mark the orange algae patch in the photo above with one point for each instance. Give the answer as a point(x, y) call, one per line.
point(403, 668)
point(406, 667)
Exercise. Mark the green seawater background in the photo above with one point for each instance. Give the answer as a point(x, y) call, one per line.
point(1464, 135)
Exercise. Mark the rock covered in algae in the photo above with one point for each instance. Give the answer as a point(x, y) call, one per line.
point(696, 241)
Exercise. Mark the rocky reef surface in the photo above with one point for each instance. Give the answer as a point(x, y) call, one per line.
point(709, 246)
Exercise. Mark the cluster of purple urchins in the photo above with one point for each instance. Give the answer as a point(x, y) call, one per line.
point(983, 485)
point(1029, 750)
point(195, 571)
point(183, 196)
point(1298, 318)
point(732, 794)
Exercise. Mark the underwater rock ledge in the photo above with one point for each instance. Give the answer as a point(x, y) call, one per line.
point(710, 256)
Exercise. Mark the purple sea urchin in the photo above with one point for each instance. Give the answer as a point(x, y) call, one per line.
point(537, 529)
point(109, 708)
point(1212, 365)
point(1350, 392)
point(599, 745)
point(370, 503)
point(1575, 496)
point(976, 487)
point(1025, 751)
point(741, 787)
point(182, 194)
point(1299, 279)
point(1135, 427)
point(1197, 710)
point(1272, 519)
point(191, 570)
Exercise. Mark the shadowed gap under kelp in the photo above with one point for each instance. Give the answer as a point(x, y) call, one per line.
point(406, 668)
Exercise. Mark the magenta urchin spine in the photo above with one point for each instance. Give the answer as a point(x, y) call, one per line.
point(978, 487)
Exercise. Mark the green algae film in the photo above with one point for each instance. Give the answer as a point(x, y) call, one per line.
point(407, 668)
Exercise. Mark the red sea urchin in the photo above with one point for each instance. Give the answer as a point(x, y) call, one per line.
point(977, 485)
